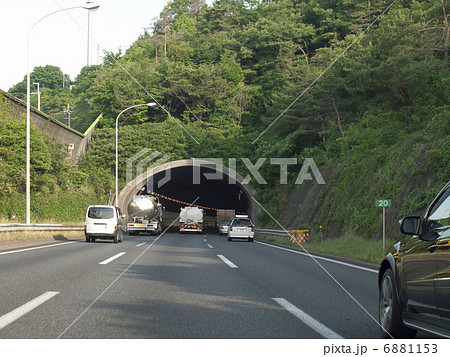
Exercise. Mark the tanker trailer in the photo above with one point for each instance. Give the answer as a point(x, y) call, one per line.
point(144, 215)
point(191, 219)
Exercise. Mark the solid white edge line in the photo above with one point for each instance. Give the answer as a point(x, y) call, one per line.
point(226, 261)
point(26, 308)
point(308, 320)
point(321, 258)
point(33, 248)
point(112, 258)
point(209, 245)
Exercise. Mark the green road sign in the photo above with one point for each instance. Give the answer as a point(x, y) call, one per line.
point(383, 203)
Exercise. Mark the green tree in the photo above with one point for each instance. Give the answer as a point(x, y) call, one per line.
point(48, 76)
point(110, 58)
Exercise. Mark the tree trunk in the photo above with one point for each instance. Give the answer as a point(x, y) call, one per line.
point(407, 100)
point(323, 128)
point(304, 53)
point(165, 42)
point(337, 113)
point(446, 35)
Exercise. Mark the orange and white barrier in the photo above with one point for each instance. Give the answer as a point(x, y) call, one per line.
point(299, 236)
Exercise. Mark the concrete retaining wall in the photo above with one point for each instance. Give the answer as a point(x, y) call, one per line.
point(75, 143)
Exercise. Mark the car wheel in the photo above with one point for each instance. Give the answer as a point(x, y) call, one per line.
point(88, 239)
point(250, 239)
point(116, 238)
point(229, 239)
point(390, 314)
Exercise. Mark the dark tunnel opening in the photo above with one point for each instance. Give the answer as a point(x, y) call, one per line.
point(213, 193)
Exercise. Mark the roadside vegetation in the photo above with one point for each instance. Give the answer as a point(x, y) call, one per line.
point(258, 79)
point(59, 191)
point(348, 246)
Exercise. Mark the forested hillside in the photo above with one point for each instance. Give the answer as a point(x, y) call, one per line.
point(360, 86)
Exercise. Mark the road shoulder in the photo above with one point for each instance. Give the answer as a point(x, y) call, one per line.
point(28, 243)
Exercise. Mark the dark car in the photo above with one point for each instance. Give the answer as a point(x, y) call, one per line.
point(414, 277)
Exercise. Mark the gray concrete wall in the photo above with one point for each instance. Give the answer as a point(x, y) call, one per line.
point(62, 133)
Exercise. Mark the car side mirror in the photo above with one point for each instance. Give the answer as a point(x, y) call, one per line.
point(410, 225)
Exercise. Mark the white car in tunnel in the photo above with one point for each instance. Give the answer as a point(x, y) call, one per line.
point(223, 228)
point(241, 228)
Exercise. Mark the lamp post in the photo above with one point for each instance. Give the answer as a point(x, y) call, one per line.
point(151, 104)
point(27, 190)
point(90, 8)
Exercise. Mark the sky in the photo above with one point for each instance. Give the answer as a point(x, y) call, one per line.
point(61, 38)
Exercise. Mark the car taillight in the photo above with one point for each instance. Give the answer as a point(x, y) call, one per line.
point(231, 228)
point(253, 229)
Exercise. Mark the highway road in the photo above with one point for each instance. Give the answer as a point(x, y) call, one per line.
point(182, 286)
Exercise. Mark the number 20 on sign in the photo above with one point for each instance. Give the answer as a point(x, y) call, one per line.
point(383, 203)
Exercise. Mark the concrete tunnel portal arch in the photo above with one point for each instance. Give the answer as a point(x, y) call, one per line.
point(213, 185)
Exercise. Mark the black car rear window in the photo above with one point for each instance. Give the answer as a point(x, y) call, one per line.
point(242, 223)
point(101, 212)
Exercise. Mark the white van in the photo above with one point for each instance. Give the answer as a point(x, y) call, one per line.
point(105, 222)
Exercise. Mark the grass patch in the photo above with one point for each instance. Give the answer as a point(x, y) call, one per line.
point(348, 246)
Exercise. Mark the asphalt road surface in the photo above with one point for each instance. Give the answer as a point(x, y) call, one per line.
point(182, 286)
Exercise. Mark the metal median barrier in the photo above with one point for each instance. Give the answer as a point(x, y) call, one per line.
point(274, 232)
point(296, 236)
point(21, 227)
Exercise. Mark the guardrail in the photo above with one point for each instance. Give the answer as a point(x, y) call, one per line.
point(295, 235)
point(274, 232)
point(21, 227)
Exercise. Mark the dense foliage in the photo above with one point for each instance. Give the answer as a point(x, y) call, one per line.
point(363, 84)
point(58, 188)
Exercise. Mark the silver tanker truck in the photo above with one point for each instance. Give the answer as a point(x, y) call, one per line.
point(144, 215)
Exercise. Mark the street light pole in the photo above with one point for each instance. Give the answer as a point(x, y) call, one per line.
point(27, 189)
point(151, 104)
point(90, 8)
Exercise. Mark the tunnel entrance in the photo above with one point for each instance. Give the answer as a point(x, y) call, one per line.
point(192, 181)
point(213, 194)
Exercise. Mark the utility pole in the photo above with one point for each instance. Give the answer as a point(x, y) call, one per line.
point(38, 95)
point(68, 112)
